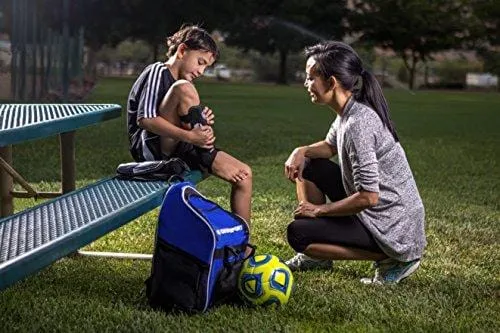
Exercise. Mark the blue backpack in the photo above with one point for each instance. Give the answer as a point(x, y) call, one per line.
point(199, 251)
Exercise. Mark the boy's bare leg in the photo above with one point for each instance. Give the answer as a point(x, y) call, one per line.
point(182, 96)
point(239, 175)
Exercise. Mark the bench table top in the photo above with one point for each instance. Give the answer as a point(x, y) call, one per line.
point(23, 122)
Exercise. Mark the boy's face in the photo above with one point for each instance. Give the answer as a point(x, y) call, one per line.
point(194, 63)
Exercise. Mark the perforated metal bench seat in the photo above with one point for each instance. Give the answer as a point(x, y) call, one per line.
point(33, 239)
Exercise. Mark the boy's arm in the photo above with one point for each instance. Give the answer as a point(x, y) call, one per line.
point(180, 95)
point(162, 127)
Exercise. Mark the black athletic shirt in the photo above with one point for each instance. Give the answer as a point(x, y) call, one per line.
point(144, 101)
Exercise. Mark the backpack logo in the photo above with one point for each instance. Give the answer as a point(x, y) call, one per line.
point(231, 230)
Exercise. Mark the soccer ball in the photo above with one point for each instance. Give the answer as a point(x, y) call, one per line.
point(265, 280)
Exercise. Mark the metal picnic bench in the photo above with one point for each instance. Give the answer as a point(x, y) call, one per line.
point(38, 236)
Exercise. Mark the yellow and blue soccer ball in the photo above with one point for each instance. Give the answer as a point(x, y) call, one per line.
point(265, 280)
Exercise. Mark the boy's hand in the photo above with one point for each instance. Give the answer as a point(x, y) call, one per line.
point(202, 136)
point(208, 115)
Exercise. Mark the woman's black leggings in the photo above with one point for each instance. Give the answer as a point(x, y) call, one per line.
point(339, 230)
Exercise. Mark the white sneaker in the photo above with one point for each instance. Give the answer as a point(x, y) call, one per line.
point(390, 271)
point(302, 262)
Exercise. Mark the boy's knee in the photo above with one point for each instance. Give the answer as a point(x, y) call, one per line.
point(186, 92)
point(247, 171)
point(247, 181)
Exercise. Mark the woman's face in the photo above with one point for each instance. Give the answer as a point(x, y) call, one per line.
point(317, 87)
point(194, 63)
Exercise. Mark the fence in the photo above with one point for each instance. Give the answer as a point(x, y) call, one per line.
point(46, 48)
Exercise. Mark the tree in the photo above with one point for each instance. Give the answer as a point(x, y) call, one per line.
point(414, 29)
point(281, 26)
point(105, 23)
point(487, 33)
point(154, 21)
point(133, 51)
point(487, 14)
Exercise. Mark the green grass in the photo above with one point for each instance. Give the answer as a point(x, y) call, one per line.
point(452, 141)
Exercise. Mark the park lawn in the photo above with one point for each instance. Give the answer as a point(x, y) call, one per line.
point(452, 141)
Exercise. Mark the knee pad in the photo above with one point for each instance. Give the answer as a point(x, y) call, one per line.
point(194, 117)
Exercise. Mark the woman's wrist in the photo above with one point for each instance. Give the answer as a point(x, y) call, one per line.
point(321, 210)
point(303, 150)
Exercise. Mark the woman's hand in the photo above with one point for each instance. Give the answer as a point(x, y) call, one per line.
point(307, 209)
point(294, 165)
point(237, 175)
point(208, 115)
point(202, 136)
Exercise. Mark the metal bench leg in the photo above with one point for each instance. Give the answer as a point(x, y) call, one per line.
point(6, 184)
point(117, 255)
point(67, 142)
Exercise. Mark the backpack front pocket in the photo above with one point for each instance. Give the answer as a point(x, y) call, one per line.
point(178, 280)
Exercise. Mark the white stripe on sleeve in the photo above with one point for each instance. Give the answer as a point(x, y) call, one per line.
point(150, 93)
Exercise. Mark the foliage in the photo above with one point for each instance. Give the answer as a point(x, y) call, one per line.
point(414, 29)
point(452, 143)
point(403, 74)
point(486, 28)
point(154, 21)
point(487, 33)
point(366, 53)
point(265, 67)
point(491, 60)
point(282, 26)
point(133, 51)
point(136, 51)
point(454, 72)
point(234, 57)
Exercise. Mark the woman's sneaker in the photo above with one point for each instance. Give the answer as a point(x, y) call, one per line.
point(390, 271)
point(302, 262)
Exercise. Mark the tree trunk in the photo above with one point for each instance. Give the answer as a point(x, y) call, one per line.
point(384, 71)
point(411, 81)
point(426, 75)
point(282, 68)
point(91, 68)
point(411, 67)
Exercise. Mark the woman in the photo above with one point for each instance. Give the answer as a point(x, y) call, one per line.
point(164, 118)
point(375, 211)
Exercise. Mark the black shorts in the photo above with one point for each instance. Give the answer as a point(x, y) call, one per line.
point(195, 157)
point(346, 231)
point(145, 146)
point(149, 149)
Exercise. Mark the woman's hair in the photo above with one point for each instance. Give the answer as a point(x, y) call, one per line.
point(341, 61)
point(195, 38)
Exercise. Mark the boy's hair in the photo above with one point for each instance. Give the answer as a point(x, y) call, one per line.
point(195, 38)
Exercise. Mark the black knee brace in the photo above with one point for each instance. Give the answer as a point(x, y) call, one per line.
point(194, 117)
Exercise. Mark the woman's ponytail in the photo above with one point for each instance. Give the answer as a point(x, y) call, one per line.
point(372, 95)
